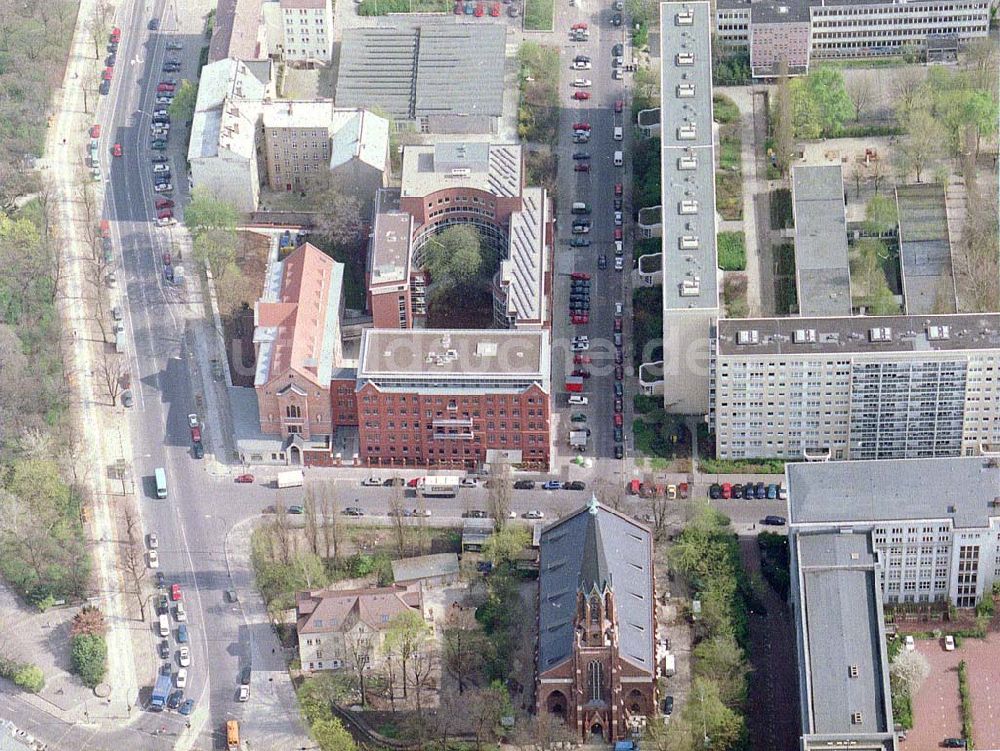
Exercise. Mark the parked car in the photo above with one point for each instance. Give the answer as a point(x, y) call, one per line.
point(184, 656)
point(668, 705)
point(524, 485)
point(773, 520)
point(953, 743)
point(581, 96)
point(182, 634)
point(244, 478)
point(164, 650)
point(393, 482)
point(552, 485)
point(187, 707)
point(175, 592)
point(371, 482)
point(154, 559)
point(534, 514)
point(296, 509)
point(174, 700)
point(715, 491)
point(576, 484)
point(581, 167)
point(479, 514)
point(353, 511)
point(602, 262)
point(244, 693)
point(619, 451)
point(949, 643)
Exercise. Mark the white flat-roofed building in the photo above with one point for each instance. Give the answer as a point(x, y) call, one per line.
point(689, 263)
point(308, 31)
point(857, 388)
point(934, 524)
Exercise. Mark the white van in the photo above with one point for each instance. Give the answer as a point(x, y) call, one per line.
point(619, 160)
point(577, 399)
point(619, 134)
point(579, 207)
point(164, 626)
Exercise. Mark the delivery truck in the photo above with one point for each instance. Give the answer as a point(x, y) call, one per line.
point(293, 478)
point(160, 692)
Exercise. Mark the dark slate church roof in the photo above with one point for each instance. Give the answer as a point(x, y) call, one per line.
point(593, 548)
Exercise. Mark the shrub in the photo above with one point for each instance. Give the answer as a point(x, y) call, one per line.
point(89, 656)
point(725, 109)
point(30, 678)
point(732, 251)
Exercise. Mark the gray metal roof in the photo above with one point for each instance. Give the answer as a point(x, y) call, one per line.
point(434, 68)
point(842, 634)
point(687, 158)
point(425, 566)
point(846, 492)
point(924, 249)
point(821, 265)
point(845, 335)
point(594, 547)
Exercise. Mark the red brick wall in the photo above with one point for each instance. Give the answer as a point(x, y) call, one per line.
point(433, 207)
point(343, 404)
point(397, 429)
point(385, 309)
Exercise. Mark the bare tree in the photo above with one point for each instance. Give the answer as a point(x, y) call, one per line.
point(659, 509)
point(133, 557)
point(419, 673)
point(98, 26)
point(610, 493)
point(860, 90)
point(484, 711)
point(877, 172)
point(907, 82)
point(114, 370)
point(857, 174)
point(499, 492)
point(464, 645)
point(358, 645)
point(922, 143)
point(331, 523)
point(311, 520)
point(397, 515)
point(282, 531)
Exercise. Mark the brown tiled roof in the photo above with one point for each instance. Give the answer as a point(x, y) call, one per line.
point(328, 610)
point(237, 23)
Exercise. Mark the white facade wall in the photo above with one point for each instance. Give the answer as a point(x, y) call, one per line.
point(308, 34)
point(229, 178)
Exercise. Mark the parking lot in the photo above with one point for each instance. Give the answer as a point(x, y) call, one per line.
point(937, 709)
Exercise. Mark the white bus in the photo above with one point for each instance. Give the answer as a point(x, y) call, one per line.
point(445, 486)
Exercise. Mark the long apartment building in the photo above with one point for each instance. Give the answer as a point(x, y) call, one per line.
point(803, 31)
point(933, 524)
point(888, 387)
point(689, 266)
point(441, 398)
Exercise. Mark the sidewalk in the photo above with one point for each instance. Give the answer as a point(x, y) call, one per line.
point(98, 424)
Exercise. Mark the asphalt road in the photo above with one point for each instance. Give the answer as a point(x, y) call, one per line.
point(595, 188)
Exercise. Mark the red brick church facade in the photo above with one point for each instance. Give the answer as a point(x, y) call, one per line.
point(596, 659)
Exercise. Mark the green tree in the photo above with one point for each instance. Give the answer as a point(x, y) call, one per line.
point(331, 735)
point(455, 256)
point(182, 108)
point(89, 655)
point(921, 145)
point(806, 115)
point(880, 215)
point(213, 227)
point(826, 88)
point(706, 714)
point(405, 636)
point(721, 660)
point(879, 298)
point(503, 545)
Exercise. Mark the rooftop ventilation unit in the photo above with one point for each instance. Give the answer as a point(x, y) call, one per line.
point(685, 90)
point(852, 671)
point(688, 242)
point(690, 288)
point(936, 333)
point(687, 132)
point(803, 336)
point(687, 207)
point(856, 718)
point(684, 58)
point(883, 334)
point(461, 172)
point(748, 336)
point(684, 18)
point(687, 163)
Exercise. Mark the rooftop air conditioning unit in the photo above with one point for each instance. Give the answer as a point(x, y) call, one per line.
point(684, 18)
point(685, 90)
point(687, 132)
point(687, 207)
point(688, 242)
point(748, 336)
point(687, 162)
point(684, 58)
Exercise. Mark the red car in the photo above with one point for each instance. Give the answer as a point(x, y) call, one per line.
point(116, 150)
point(165, 87)
point(581, 96)
point(583, 276)
point(95, 131)
point(619, 105)
point(618, 189)
point(196, 434)
point(479, 10)
point(116, 34)
point(619, 420)
point(619, 373)
point(579, 319)
point(581, 373)
point(618, 233)
point(582, 167)
point(727, 490)
point(581, 26)
point(165, 214)
point(495, 10)
point(108, 73)
point(618, 325)
point(164, 203)
point(581, 126)
point(166, 258)
point(414, 482)
point(244, 478)
point(105, 228)
point(581, 359)
point(175, 592)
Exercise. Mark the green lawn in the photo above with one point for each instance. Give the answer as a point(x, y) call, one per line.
point(538, 109)
point(538, 17)
point(725, 109)
point(732, 251)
